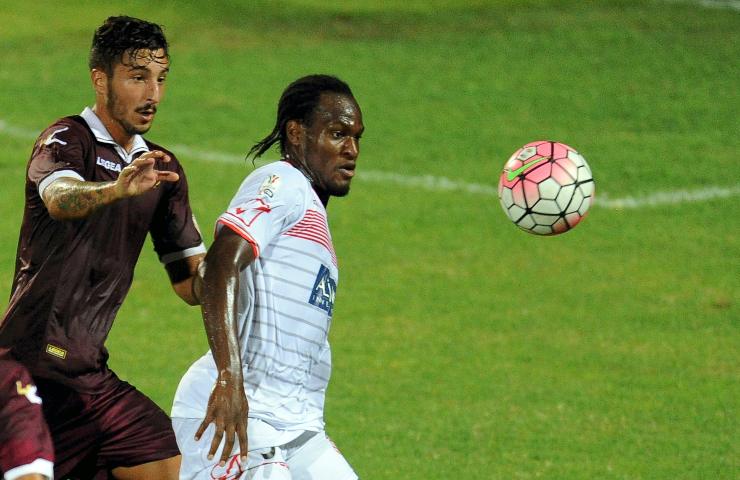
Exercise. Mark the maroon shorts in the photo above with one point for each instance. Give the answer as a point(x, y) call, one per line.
point(24, 437)
point(93, 434)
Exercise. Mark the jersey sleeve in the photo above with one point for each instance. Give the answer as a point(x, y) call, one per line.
point(58, 152)
point(267, 203)
point(174, 231)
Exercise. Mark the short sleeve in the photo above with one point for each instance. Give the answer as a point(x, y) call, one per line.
point(60, 151)
point(267, 204)
point(174, 231)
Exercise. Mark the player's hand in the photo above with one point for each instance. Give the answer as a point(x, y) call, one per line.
point(141, 175)
point(227, 410)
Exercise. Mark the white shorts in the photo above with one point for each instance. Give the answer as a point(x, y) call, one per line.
point(310, 456)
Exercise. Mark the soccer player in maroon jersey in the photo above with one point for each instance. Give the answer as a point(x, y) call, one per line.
point(26, 452)
point(95, 188)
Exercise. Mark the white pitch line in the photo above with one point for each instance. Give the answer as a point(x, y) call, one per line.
point(433, 183)
point(671, 197)
point(716, 4)
point(16, 132)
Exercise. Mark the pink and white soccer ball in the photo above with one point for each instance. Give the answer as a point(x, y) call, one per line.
point(546, 188)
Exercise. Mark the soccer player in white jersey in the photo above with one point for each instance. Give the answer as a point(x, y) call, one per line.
point(267, 289)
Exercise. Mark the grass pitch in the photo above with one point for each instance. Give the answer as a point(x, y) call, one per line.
point(463, 347)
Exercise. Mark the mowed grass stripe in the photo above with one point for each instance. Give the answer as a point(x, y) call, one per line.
point(436, 183)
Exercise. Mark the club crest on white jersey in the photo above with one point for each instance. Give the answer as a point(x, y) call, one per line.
point(269, 187)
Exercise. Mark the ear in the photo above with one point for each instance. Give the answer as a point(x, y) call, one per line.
point(99, 81)
point(294, 132)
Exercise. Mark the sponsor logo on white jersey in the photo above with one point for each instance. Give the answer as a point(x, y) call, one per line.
point(324, 291)
point(108, 165)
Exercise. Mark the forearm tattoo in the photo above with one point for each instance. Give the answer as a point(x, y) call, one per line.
point(73, 199)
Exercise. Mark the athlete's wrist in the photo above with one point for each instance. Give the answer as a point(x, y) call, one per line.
point(229, 376)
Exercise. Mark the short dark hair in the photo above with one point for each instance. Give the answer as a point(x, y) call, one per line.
point(298, 102)
point(121, 35)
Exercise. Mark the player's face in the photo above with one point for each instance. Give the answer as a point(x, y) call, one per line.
point(332, 143)
point(135, 90)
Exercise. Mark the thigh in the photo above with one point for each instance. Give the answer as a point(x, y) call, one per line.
point(318, 459)
point(119, 427)
point(268, 464)
point(134, 430)
point(167, 469)
point(73, 430)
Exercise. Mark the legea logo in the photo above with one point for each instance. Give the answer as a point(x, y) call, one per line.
point(108, 165)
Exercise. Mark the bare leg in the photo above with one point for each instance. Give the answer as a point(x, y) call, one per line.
point(168, 469)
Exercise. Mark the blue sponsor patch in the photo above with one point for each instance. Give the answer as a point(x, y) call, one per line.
point(323, 291)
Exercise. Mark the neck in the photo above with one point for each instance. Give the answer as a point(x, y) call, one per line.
point(323, 196)
point(320, 192)
point(119, 134)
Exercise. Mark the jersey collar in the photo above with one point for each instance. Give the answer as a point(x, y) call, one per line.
point(102, 135)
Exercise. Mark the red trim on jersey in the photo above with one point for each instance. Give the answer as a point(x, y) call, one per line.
point(313, 228)
point(265, 208)
point(239, 231)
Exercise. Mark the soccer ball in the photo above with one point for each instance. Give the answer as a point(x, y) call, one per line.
point(546, 188)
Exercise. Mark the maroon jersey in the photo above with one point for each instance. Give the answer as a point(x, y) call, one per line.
point(72, 276)
point(25, 444)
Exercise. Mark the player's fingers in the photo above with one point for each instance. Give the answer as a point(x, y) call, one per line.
point(143, 161)
point(228, 445)
point(243, 447)
point(156, 155)
point(215, 442)
point(202, 428)
point(166, 176)
point(129, 171)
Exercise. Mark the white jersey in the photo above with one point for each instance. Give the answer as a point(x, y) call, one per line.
point(285, 304)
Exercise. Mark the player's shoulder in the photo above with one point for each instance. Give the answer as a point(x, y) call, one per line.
point(277, 177)
point(75, 122)
point(282, 168)
point(64, 130)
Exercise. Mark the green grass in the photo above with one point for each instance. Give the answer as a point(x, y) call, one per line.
point(463, 347)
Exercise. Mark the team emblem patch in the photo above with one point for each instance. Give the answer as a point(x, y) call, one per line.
point(324, 291)
point(270, 186)
point(28, 391)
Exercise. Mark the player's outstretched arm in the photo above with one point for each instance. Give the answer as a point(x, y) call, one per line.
point(217, 287)
point(183, 274)
point(72, 199)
